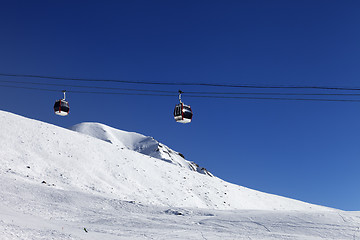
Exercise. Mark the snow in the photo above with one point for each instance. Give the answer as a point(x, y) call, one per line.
point(57, 183)
point(133, 141)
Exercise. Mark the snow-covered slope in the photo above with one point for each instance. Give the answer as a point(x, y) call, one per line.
point(60, 184)
point(44, 154)
point(36, 212)
point(137, 142)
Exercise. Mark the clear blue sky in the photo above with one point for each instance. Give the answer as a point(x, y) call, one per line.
point(305, 150)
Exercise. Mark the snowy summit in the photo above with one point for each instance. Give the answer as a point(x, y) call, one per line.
point(137, 142)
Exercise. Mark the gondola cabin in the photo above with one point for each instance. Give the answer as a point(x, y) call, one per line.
point(61, 107)
point(183, 113)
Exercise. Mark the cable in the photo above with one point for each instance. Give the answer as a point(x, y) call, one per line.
point(82, 86)
point(274, 98)
point(187, 92)
point(193, 96)
point(276, 93)
point(88, 92)
point(178, 83)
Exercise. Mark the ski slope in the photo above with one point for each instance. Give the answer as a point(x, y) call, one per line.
point(120, 185)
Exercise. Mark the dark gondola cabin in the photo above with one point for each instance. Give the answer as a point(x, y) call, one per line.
point(61, 107)
point(182, 113)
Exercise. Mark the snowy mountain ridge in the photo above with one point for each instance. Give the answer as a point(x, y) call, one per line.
point(137, 142)
point(41, 153)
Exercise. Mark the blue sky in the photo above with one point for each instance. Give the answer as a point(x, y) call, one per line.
point(307, 150)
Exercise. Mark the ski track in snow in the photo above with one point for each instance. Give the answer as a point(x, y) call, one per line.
point(59, 184)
